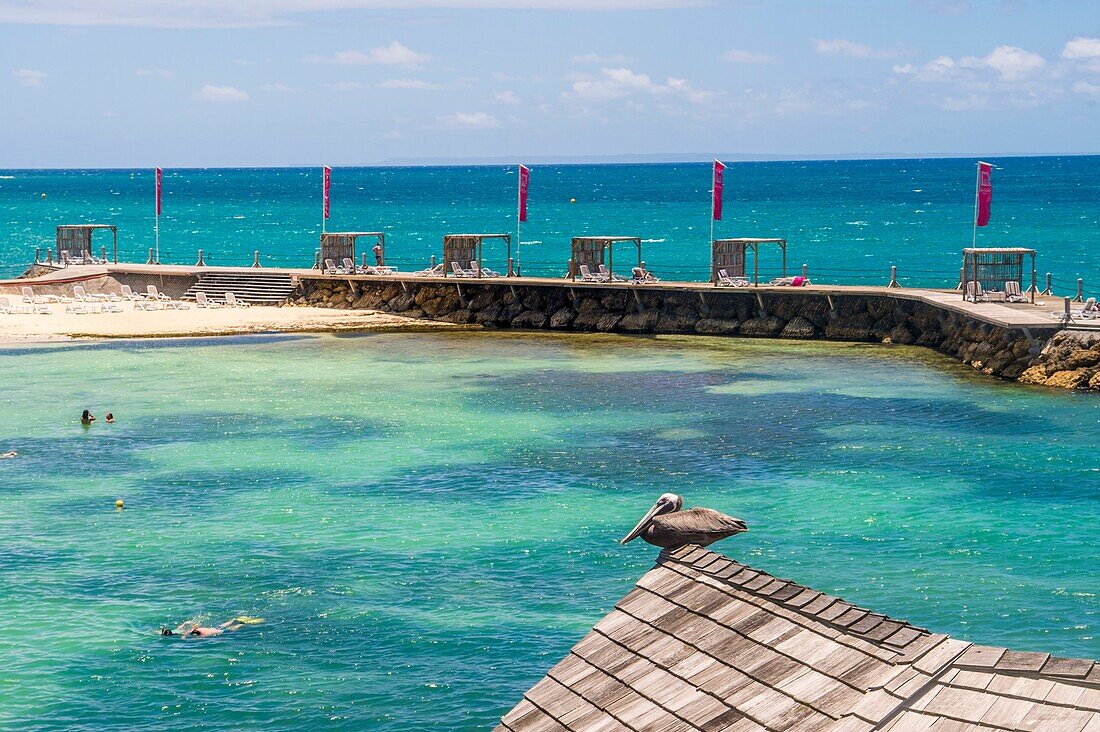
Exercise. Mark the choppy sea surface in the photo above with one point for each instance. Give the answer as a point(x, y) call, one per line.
point(427, 522)
point(849, 221)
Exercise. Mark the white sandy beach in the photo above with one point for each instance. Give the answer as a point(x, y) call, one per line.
point(132, 323)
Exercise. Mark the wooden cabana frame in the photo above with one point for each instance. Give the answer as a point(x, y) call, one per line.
point(466, 248)
point(338, 245)
point(74, 241)
point(589, 250)
point(729, 254)
point(993, 267)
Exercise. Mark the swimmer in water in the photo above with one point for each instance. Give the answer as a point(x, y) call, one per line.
point(87, 418)
point(191, 629)
point(9, 455)
point(110, 418)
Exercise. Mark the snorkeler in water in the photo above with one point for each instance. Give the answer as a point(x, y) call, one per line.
point(87, 418)
point(191, 629)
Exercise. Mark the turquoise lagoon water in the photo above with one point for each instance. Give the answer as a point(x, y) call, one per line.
point(848, 220)
point(427, 522)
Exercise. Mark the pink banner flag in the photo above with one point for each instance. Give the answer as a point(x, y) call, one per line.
point(160, 175)
point(524, 180)
point(985, 194)
point(326, 187)
point(716, 207)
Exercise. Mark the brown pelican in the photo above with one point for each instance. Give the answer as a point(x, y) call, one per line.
point(665, 525)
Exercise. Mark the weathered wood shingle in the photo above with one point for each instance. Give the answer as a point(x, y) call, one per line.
point(706, 643)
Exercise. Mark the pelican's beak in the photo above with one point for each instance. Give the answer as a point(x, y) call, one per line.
point(642, 524)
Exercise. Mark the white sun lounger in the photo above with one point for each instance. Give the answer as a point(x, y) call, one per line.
point(1013, 293)
point(974, 292)
point(459, 272)
point(83, 295)
point(641, 277)
point(436, 271)
point(152, 293)
point(485, 271)
point(606, 276)
point(6, 308)
point(81, 308)
point(203, 301)
point(232, 301)
point(587, 276)
point(129, 294)
point(31, 298)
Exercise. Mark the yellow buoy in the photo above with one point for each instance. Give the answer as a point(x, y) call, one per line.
point(119, 503)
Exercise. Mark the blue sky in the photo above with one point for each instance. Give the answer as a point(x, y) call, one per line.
point(298, 82)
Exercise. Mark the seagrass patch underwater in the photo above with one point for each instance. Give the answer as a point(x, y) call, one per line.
point(427, 522)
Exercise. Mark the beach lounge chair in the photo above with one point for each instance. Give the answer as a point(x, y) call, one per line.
point(348, 266)
point(1013, 293)
point(641, 276)
point(974, 292)
point(148, 304)
point(152, 293)
point(83, 295)
point(203, 301)
point(456, 268)
point(80, 308)
point(176, 305)
point(587, 276)
point(30, 298)
point(1090, 311)
point(606, 275)
point(232, 301)
point(436, 271)
point(384, 269)
point(6, 308)
point(129, 294)
point(484, 271)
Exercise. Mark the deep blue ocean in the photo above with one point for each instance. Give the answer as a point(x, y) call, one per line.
point(848, 220)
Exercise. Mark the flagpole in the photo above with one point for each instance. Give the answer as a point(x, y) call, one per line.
point(977, 189)
point(519, 216)
point(713, 181)
point(156, 212)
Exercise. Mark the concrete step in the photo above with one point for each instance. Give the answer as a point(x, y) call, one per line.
point(258, 287)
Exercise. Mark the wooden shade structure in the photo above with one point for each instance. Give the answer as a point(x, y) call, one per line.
point(338, 245)
point(590, 250)
point(993, 267)
point(729, 254)
point(74, 241)
point(466, 248)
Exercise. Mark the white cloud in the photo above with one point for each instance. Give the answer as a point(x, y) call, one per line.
point(595, 58)
point(160, 73)
point(1010, 62)
point(1082, 48)
point(30, 77)
point(738, 56)
point(1083, 87)
point(470, 121)
point(620, 83)
point(258, 13)
point(844, 47)
point(408, 84)
point(395, 54)
point(275, 88)
point(507, 97)
point(344, 86)
point(211, 93)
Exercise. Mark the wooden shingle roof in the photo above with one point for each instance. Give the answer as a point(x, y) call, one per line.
point(706, 643)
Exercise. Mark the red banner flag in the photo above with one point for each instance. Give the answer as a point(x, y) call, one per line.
point(985, 194)
point(716, 206)
point(524, 180)
point(159, 177)
point(326, 187)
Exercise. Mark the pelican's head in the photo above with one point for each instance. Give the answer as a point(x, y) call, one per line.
point(667, 503)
